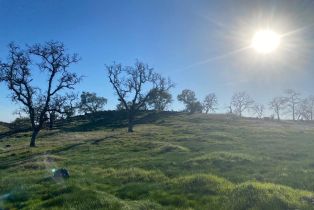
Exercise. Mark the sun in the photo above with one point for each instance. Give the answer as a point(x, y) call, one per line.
point(265, 41)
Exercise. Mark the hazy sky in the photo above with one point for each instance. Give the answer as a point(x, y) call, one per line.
point(201, 44)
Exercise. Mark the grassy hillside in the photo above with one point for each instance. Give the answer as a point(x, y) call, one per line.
point(3, 127)
point(171, 161)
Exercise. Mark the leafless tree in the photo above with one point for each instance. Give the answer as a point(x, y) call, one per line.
point(292, 99)
point(120, 106)
point(55, 108)
point(277, 104)
point(241, 102)
point(49, 58)
point(192, 105)
point(70, 107)
point(133, 85)
point(61, 106)
point(310, 102)
point(304, 109)
point(210, 103)
point(1, 75)
point(259, 110)
point(229, 108)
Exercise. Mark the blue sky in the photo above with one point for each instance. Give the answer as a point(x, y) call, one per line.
point(198, 43)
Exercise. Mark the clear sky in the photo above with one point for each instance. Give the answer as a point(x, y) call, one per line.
point(201, 44)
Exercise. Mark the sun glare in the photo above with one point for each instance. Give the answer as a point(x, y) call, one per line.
point(265, 41)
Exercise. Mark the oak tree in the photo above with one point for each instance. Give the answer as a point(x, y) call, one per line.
point(19, 73)
point(134, 85)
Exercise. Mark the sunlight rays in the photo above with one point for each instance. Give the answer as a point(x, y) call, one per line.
point(269, 43)
point(202, 62)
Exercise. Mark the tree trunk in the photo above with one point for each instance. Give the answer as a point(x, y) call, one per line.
point(51, 121)
point(130, 123)
point(33, 139)
point(50, 125)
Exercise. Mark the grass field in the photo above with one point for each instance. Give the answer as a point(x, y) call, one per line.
point(3, 128)
point(171, 161)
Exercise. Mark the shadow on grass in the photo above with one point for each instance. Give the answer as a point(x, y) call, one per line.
point(91, 122)
point(111, 120)
point(26, 157)
point(11, 133)
point(96, 121)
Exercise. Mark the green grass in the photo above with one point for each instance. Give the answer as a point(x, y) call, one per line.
point(3, 128)
point(171, 161)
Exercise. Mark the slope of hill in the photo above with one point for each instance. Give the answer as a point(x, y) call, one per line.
point(3, 127)
point(171, 161)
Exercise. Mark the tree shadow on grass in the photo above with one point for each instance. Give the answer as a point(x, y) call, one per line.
point(11, 133)
point(111, 120)
point(96, 121)
point(26, 157)
point(154, 117)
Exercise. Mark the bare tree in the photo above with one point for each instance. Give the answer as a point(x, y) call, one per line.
point(229, 108)
point(210, 103)
point(120, 106)
point(304, 109)
point(191, 104)
point(241, 102)
point(52, 60)
point(70, 107)
point(1, 74)
point(55, 108)
point(133, 85)
point(292, 99)
point(259, 110)
point(61, 106)
point(310, 101)
point(277, 104)
point(91, 103)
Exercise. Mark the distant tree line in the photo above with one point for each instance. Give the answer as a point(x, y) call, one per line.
point(290, 103)
point(137, 87)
